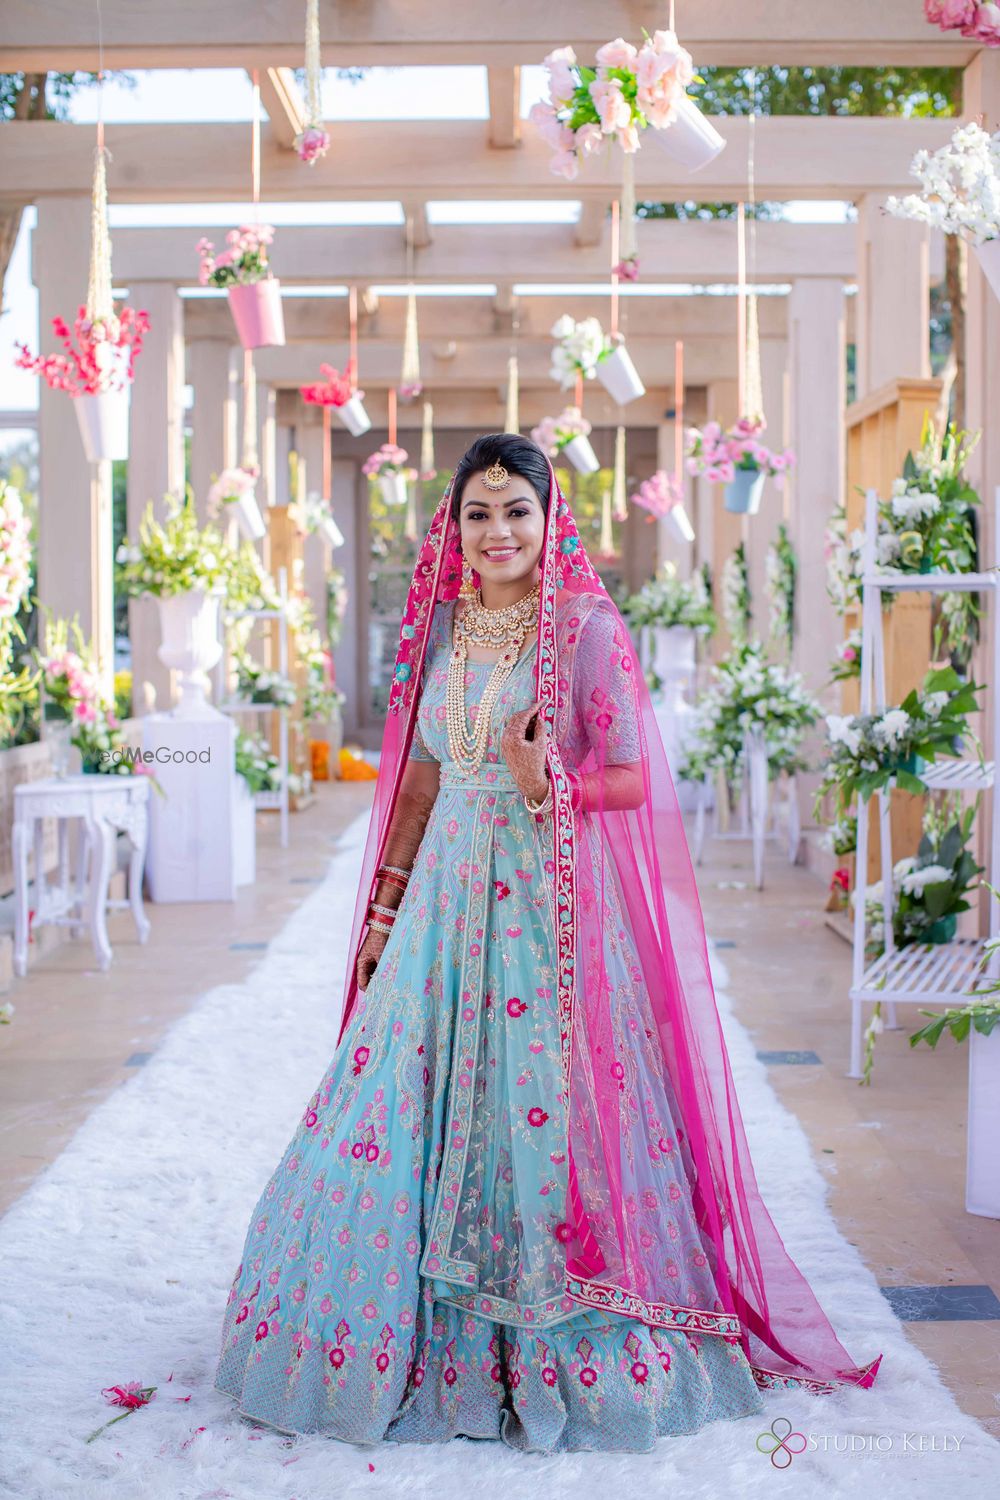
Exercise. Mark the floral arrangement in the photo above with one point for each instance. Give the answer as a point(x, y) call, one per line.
point(628, 89)
point(668, 600)
point(749, 692)
point(737, 605)
point(101, 359)
point(335, 389)
point(229, 486)
point(580, 347)
point(846, 664)
point(255, 684)
point(174, 556)
point(74, 692)
point(659, 494)
point(255, 763)
point(553, 433)
point(959, 186)
point(245, 260)
point(717, 454)
point(15, 571)
point(867, 751)
point(980, 22)
point(841, 838)
point(781, 567)
point(322, 699)
point(389, 459)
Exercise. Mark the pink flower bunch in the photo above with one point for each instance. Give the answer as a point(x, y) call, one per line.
point(659, 494)
point(15, 558)
point(334, 389)
point(628, 89)
point(717, 454)
point(244, 261)
point(389, 459)
point(553, 433)
point(627, 269)
point(980, 22)
point(74, 686)
point(312, 143)
point(102, 358)
point(410, 390)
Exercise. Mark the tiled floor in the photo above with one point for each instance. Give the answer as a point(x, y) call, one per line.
point(893, 1154)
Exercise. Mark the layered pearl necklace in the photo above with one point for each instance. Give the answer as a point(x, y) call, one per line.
point(503, 630)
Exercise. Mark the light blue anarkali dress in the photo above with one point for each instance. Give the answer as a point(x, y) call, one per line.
point(401, 1277)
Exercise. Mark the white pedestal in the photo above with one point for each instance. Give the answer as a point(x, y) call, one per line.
point(982, 1181)
point(244, 833)
point(672, 651)
point(191, 836)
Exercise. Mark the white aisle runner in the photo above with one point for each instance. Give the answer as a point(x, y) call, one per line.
point(117, 1261)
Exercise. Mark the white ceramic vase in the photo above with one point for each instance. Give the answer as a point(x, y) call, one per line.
point(982, 1175)
point(692, 140)
point(619, 376)
point(393, 487)
point(189, 626)
point(248, 516)
point(354, 416)
point(581, 455)
point(103, 420)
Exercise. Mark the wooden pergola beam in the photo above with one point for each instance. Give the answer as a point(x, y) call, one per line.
point(504, 86)
point(694, 251)
point(282, 99)
point(172, 33)
point(795, 158)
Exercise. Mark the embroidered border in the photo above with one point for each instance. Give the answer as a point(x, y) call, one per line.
point(617, 1300)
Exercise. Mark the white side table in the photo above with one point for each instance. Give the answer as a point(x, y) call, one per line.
point(104, 804)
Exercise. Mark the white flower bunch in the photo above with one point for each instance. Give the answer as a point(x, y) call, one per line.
point(960, 186)
point(579, 348)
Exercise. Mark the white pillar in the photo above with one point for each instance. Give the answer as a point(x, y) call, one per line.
point(350, 656)
point(213, 377)
point(763, 527)
point(893, 309)
point(75, 557)
point(981, 97)
point(817, 350)
point(156, 466)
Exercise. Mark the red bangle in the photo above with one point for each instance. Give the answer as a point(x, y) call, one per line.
point(575, 790)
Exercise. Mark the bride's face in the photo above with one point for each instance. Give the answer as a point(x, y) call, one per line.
point(502, 530)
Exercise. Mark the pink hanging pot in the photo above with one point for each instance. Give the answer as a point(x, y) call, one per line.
point(257, 313)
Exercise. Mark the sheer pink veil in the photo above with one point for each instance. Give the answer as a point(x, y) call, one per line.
point(620, 868)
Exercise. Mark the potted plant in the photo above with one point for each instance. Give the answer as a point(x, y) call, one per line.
point(672, 611)
point(388, 467)
point(629, 93)
point(257, 684)
point(583, 348)
point(868, 751)
point(254, 293)
point(339, 393)
point(187, 569)
point(662, 494)
point(568, 435)
point(979, 22)
point(317, 519)
point(15, 595)
point(96, 370)
point(78, 710)
point(235, 490)
point(960, 188)
point(736, 459)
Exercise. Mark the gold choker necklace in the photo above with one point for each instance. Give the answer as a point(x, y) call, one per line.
point(503, 630)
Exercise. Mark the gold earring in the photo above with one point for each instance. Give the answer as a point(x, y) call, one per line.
point(468, 589)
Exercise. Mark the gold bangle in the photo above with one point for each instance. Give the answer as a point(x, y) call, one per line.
point(376, 926)
point(539, 807)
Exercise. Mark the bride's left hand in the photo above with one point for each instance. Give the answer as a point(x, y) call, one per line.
point(524, 757)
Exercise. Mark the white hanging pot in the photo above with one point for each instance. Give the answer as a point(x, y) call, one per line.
point(249, 517)
point(680, 521)
point(982, 1176)
point(332, 531)
point(354, 416)
point(190, 644)
point(103, 420)
point(393, 487)
point(692, 140)
point(581, 455)
point(619, 376)
point(988, 255)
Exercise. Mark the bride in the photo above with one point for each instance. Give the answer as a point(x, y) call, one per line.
point(520, 1203)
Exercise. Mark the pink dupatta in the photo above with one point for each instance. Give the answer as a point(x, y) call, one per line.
point(633, 862)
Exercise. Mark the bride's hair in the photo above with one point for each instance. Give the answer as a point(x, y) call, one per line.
point(519, 455)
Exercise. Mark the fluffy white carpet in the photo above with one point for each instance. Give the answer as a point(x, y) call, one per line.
point(117, 1263)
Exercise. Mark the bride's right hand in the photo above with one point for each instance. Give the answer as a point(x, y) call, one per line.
point(368, 956)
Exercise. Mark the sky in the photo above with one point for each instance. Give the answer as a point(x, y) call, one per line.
point(224, 94)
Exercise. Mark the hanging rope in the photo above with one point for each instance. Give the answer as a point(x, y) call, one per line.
point(512, 421)
point(427, 465)
point(606, 545)
point(409, 375)
point(629, 246)
point(352, 312)
point(679, 412)
point(327, 454)
point(615, 258)
point(314, 75)
point(578, 392)
point(741, 308)
point(753, 393)
point(99, 301)
point(619, 484)
point(392, 416)
point(250, 458)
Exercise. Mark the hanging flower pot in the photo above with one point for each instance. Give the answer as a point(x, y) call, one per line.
point(103, 419)
point(249, 517)
point(233, 494)
point(743, 492)
point(988, 255)
point(580, 453)
point(353, 415)
point(189, 626)
point(393, 487)
point(257, 313)
point(619, 376)
point(691, 139)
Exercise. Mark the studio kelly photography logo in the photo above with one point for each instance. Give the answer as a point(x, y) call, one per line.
point(781, 1443)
